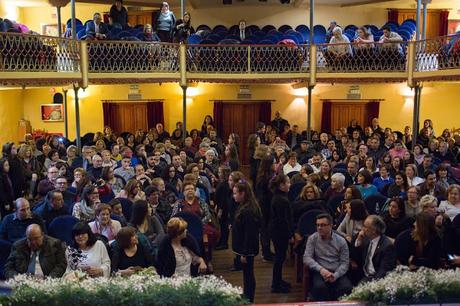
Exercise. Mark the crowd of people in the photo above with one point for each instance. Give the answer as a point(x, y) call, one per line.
point(154, 199)
point(165, 27)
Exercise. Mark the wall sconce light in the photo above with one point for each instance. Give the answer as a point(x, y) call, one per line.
point(299, 89)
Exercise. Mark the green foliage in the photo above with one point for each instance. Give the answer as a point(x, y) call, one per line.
point(132, 291)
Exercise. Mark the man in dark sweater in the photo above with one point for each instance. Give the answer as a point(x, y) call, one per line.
point(53, 207)
point(14, 225)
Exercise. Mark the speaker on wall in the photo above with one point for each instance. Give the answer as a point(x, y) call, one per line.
point(58, 98)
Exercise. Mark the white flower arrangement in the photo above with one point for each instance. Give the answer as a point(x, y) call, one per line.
point(144, 288)
point(403, 286)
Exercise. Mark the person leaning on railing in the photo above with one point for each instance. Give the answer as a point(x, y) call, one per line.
point(339, 48)
point(183, 28)
point(389, 40)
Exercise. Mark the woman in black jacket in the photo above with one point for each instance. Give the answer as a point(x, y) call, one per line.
point(425, 246)
point(177, 244)
point(264, 196)
point(6, 189)
point(245, 233)
point(16, 173)
point(281, 229)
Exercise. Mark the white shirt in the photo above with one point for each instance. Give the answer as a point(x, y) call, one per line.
point(38, 267)
point(415, 181)
point(369, 270)
point(288, 168)
point(450, 210)
point(96, 257)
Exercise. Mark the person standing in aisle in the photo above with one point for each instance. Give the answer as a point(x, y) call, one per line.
point(245, 234)
point(281, 229)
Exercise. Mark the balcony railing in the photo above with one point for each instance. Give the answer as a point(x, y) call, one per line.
point(157, 61)
point(440, 53)
point(247, 58)
point(35, 53)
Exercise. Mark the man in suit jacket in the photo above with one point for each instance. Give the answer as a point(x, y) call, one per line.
point(378, 251)
point(37, 254)
point(96, 29)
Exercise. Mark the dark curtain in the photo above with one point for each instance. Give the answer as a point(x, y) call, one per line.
point(393, 15)
point(443, 25)
point(155, 114)
point(265, 112)
point(219, 117)
point(108, 114)
point(326, 117)
point(373, 109)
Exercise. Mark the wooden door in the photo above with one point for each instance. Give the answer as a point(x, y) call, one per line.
point(240, 118)
point(433, 20)
point(343, 113)
point(338, 113)
point(129, 117)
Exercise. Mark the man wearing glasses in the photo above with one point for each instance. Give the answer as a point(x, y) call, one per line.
point(327, 256)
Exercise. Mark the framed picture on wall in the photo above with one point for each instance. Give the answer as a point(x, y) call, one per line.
point(453, 26)
point(52, 112)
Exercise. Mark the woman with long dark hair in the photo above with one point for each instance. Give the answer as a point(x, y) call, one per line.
point(146, 223)
point(231, 157)
point(281, 229)
point(6, 189)
point(400, 186)
point(425, 247)
point(183, 28)
point(264, 196)
point(245, 233)
point(16, 173)
point(222, 197)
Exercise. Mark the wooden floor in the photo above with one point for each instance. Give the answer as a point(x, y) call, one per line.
point(222, 261)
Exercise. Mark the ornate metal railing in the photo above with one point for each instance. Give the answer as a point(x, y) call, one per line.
point(438, 54)
point(247, 58)
point(362, 57)
point(132, 57)
point(35, 53)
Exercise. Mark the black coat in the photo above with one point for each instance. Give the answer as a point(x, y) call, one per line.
point(281, 225)
point(6, 195)
point(17, 177)
point(431, 254)
point(245, 233)
point(384, 259)
point(166, 259)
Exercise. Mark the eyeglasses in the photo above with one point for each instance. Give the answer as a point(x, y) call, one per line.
point(322, 224)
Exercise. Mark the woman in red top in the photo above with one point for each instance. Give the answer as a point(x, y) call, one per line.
point(192, 204)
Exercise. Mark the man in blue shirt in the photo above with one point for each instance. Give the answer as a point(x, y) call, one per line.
point(383, 180)
point(14, 225)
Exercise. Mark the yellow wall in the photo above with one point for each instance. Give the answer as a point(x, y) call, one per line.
point(439, 102)
point(11, 111)
point(259, 14)
point(35, 17)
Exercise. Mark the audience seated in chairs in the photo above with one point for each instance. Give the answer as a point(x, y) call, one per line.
point(327, 256)
point(395, 219)
point(37, 254)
